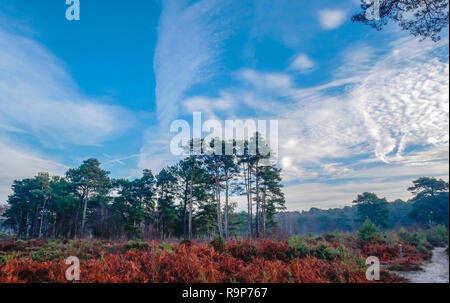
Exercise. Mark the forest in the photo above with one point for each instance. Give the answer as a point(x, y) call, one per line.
point(191, 199)
point(185, 201)
point(347, 219)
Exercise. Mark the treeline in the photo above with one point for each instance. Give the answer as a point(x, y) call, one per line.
point(429, 206)
point(189, 199)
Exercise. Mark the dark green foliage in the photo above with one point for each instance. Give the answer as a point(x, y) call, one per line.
point(91, 184)
point(135, 203)
point(438, 236)
point(219, 244)
point(325, 252)
point(301, 249)
point(136, 245)
point(166, 184)
point(369, 206)
point(423, 18)
point(368, 231)
point(430, 202)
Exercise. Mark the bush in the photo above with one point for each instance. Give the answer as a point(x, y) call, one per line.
point(272, 250)
point(368, 232)
point(187, 243)
point(136, 245)
point(298, 246)
point(168, 247)
point(324, 252)
point(417, 239)
point(330, 237)
point(219, 244)
point(437, 236)
point(242, 250)
point(46, 255)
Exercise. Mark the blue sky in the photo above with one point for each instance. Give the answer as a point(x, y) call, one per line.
point(358, 110)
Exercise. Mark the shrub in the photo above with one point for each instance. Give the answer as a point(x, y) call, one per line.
point(168, 247)
point(46, 255)
point(368, 232)
point(438, 236)
point(331, 253)
point(299, 248)
point(417, 239)
point(324, 252)
point(330, 237)
point(219, 244)
point(242, 250)
point(271, 250)
point(136, 245)
point(187, 243)
point(295, 240)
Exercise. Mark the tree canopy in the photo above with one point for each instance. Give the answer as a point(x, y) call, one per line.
point(422, 18)
point(370, 206)
point(430, 201)
point(194, 198)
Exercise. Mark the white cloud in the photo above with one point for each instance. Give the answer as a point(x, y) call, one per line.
point(302, 63)
point(17, 163)
point(188, 51)
point(390, 181)
point(332, 18)
point(271, 81)
point(388, 121)
point(38, 96)
point(397, 110)
point(404, 101)
point(155, 153)
point(329, 195)
point(188, 48)
point(208, 107)
point(39, 100)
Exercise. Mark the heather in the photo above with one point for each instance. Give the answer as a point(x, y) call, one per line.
point(330, 258)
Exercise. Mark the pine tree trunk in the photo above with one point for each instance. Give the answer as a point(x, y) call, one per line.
point(185, 210)
point(191, 194)
point(226, 204)
point(249, 171)
point(219, 212)
point(76, 219)
point(264, 211)
point(35, 222)
point(83, 218)
point(42, 217)
point(249, 220)
point(257, 198)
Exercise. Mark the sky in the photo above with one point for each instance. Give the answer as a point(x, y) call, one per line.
point(358, 109)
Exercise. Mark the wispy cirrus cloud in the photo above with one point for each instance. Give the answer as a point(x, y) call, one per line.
point(188, 49)
point(383, 119)
point(395, 111)
point(40, 102)
point(38, 96)
point(18, 162)
point(188, 53)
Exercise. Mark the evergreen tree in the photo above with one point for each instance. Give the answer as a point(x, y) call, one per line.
point(90, 181)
